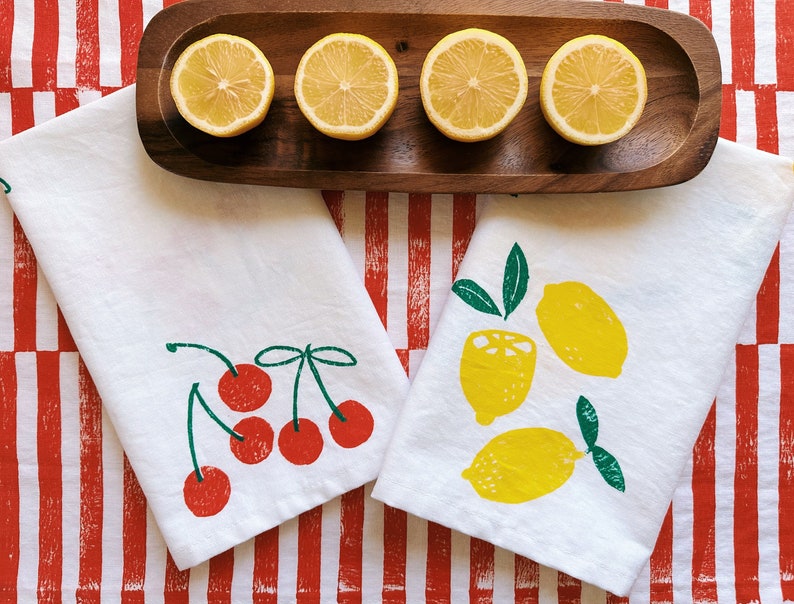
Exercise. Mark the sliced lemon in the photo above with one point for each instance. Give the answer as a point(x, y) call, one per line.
point(346, 85)
point(473, 84)
point(593, 90)
point(222, 85)
point(496, 371)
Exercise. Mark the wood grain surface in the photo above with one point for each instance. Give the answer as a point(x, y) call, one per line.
point(672, 142)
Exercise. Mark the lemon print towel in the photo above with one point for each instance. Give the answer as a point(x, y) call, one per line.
point(579, 352)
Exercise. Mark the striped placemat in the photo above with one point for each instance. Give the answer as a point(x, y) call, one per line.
point(75, 526)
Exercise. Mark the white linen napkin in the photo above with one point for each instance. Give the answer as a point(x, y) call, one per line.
point(574, 364)
point(215, 320)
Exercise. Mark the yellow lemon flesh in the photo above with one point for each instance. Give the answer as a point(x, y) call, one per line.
point(473, 84)
point(496, 371)
point(523, 464)
point(582, 329)
point(346, 85)
point(593, 90)
point(222, 84)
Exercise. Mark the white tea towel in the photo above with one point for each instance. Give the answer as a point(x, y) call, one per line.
point(233, 344)
point(576, 359)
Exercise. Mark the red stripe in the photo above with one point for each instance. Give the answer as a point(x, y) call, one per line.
point(310, 533)
point(351, 541)
point(91, 488)
point(728, 120)
point(376, 250)
point(44, 55)
point(131, 30)
point(661, 580)
point(768, 303)
point(405, 359)
point(334, 200)
point(439, 563)
point(613, 599)
point(25, 285)
point(766, 118)
point(656, 3)
point(526, 580)
point(9, 477)
point(569, 590)
point(481, 571)
point(704, 569)
point(6, 34)
point(745, 485)
point(784, 52)
point(66, 99)
point(87, 38)
point(743, 43)
point(265, 587)
point(21, 109)
point(701, 9)
point(176, 588)
point(133, 570)
point(419, 206)
point(464, 217)
point(395, 551)
point(221, 574)
point(48, 446)
point(786, 473)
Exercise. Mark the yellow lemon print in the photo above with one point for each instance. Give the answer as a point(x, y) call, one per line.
point(582, 329)
point(522, 464)
point(496, 371)
point(527, 463)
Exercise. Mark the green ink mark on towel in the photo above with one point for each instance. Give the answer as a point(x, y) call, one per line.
point(6, 186)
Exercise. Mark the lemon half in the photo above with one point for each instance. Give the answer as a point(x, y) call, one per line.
point(222, 84)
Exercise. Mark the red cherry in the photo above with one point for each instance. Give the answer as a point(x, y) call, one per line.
point(357, 427)
point(246, 391)
point(208, 496)
point(303, 446)
point(257, 440)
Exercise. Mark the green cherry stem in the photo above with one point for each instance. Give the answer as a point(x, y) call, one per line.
point(191, 444)
point(307, 356)
point(173, 346)
point(194, 392)
point(196, 395)
point(318, 379)
point(295, 388)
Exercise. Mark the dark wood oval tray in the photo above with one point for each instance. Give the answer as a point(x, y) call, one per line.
point(672, 142)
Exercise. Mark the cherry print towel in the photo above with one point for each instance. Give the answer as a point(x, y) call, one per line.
point(576, 359)
point(233, 344)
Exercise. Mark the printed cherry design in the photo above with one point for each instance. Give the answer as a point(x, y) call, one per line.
point(244, 387)
point(207, 489)
point(257, 442)
point(357, 428)
point(301, 441)
point(302, 445)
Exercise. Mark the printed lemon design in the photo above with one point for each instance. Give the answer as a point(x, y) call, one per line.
point(582, 329)
point(522, 464)
point(526, 463)
point(496, 371)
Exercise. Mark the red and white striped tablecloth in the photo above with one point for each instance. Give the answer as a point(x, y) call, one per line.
point(74, 524)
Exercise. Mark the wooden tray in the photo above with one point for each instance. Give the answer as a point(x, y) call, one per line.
point(672, 142)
